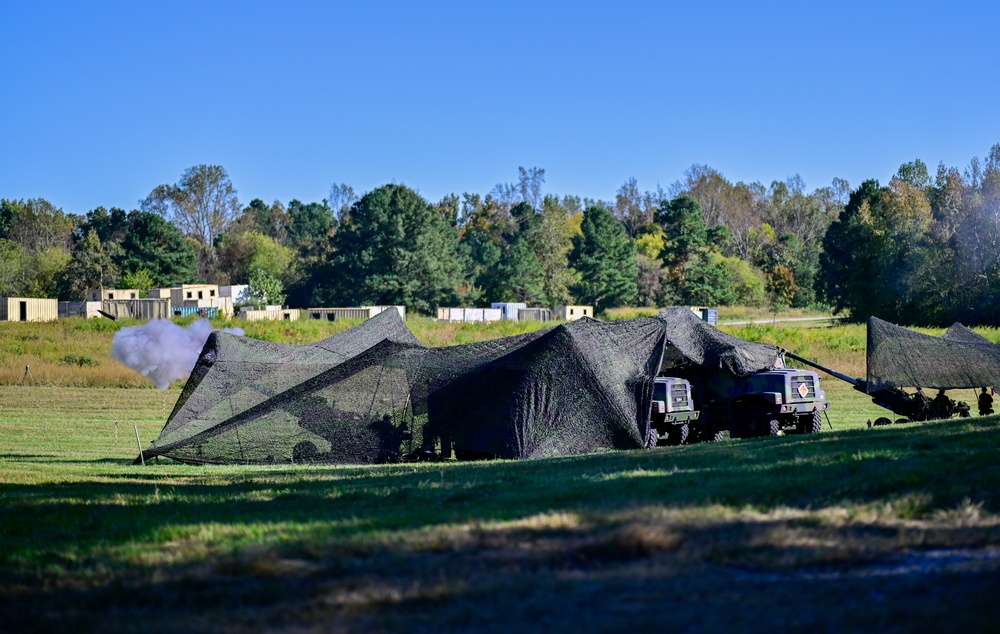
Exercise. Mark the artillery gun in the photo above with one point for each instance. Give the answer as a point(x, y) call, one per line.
point(911, 407)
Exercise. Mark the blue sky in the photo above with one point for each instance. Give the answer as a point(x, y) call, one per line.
point(105, 100)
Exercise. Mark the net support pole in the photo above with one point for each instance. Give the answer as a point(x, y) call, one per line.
point(138, 442)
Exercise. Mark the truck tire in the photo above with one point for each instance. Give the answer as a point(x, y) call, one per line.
point(717, 436)
point(678, 434)
point(762, 427)
point(810, 423)
point(652, 437)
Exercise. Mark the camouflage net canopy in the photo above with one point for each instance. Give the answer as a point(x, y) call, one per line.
point(899, 357)
point(373, 393)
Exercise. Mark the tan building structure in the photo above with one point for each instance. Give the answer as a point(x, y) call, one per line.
point(188, 298)
point(102, 294)
point(87, 310)
point(572, 313)
point(272, 314)
point(28, 309)
point(144, 309)
point(356, 312)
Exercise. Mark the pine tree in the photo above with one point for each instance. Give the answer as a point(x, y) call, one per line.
point(395, 248)
point(605, 258)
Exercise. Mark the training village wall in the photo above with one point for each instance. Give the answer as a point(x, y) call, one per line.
point(28, 309)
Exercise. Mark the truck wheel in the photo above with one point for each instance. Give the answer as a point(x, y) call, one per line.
point(717, 436)
point(763, 427)
point(810, 423)
point(652, 437)
point(678, 434)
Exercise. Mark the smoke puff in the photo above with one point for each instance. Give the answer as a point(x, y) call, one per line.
point(161, 350)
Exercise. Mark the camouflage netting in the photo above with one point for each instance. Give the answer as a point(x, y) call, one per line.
point(899, 357)
point(694, 341)
point(958, 332)
point(373, 392)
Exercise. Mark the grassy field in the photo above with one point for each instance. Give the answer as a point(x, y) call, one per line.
point(895, 529)
point(849, 529)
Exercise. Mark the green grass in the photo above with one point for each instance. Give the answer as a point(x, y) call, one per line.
point(791, 531)
point(740, 535)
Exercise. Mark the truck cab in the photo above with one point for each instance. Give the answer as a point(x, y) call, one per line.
point(776, 401)
point(672, 409)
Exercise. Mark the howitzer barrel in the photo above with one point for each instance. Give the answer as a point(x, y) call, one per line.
point(859, 384)
point(894, 400)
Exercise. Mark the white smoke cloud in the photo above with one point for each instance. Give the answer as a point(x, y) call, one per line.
point(161, 350)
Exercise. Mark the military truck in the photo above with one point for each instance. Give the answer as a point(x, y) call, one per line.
point(766, 403)
point(672, 411)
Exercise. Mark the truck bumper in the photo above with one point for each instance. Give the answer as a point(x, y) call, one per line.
point(805, 408)
point(679, 417)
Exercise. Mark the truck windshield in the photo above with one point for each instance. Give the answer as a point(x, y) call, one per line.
point(659, 391)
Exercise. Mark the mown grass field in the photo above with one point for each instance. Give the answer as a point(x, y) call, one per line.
point(895, 529)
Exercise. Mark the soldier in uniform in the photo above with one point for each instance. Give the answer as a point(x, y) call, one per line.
point(985, 403)
point(941, 406)
point(923, 404)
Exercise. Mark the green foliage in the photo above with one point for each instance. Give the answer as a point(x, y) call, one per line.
point(605, 259)
point(651, 244)
point(309, 224)
point(93, 266)
point(141, 280)
point(242, 253)
point(654, 286)
point(748, 284)
point(78, 360)
point(395, 249)
point(271, 220)
point(14, 269)
point(264, 289)
point(781, 286)
point(553, 242)
point(202, 204)
point(870, 252)
point(684, 231)
point(706, 281)
point(149, 242)
point(35, 238)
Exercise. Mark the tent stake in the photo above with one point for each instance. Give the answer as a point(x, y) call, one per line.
point(138, 442)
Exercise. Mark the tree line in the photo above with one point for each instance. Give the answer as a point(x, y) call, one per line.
point(919, 250)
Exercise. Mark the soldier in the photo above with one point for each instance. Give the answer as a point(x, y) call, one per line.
point(985, 403)
point(923, 404)
point(941, 406)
